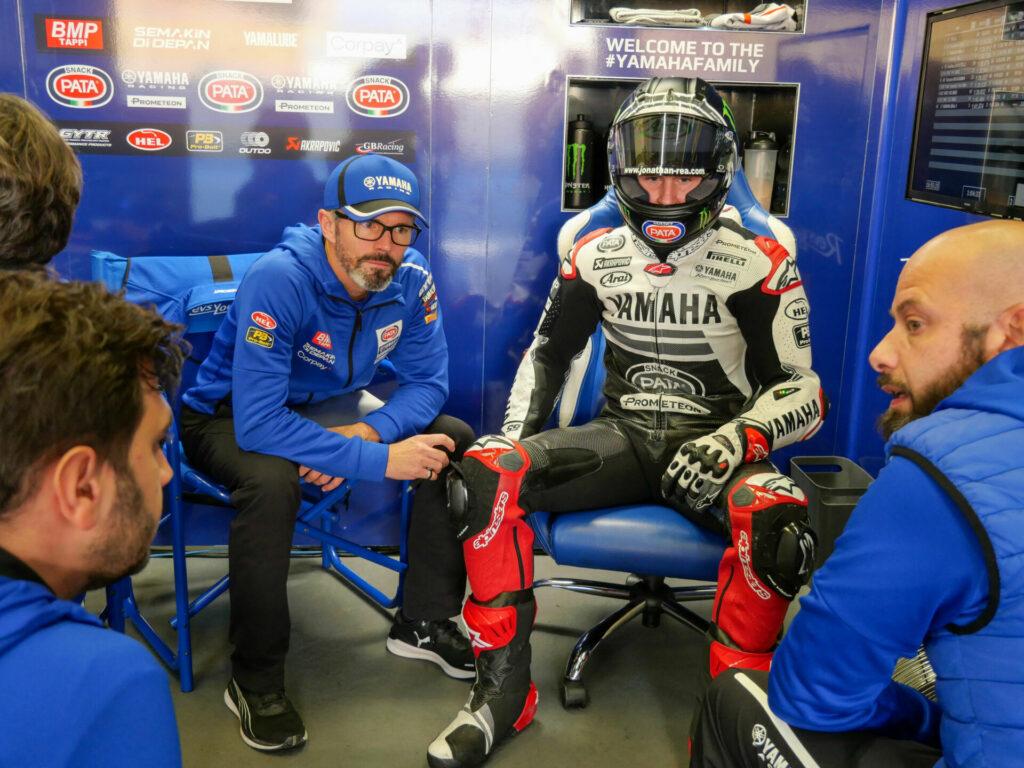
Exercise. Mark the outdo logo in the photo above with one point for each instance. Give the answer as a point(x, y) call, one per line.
point(377, 96)
point(229, 90)
point(149, 139)
point(263, 320)
point(80, 86)
point(664, 231)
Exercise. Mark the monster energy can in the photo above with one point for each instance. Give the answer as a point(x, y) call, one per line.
point(580, 149)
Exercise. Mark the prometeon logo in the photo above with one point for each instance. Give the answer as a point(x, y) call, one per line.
point(377, 96)
point(228, 90)
point(149, 139)
point(79, 86)
point(79, 34)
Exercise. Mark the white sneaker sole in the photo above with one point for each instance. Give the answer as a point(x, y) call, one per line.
point(407, 651)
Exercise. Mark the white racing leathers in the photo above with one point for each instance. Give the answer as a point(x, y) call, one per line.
point(719, 331)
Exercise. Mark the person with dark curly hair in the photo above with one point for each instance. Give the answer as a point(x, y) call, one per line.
point(83, 419)
point(40, 186)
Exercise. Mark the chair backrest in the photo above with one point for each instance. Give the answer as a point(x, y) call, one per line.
point(195, 291)
point(581, 398)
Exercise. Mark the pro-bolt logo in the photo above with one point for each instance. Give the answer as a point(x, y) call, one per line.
point(664, 231)
point(149, 139)
point(377, 96)
point(228, 90)
point(80, 86)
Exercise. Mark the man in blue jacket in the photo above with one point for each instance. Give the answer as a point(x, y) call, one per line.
point(933, 553)
point(83, 421)
point(280, 398)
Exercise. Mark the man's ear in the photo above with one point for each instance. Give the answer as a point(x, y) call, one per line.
point(78, 486)
point(326, 221)
point(1009, 327)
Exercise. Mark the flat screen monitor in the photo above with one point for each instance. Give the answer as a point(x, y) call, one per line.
point(968, 148)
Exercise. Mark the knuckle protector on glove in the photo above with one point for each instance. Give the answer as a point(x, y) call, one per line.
point(783, 548)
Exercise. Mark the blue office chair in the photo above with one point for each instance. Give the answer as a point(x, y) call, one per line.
point(196, 291)
point(651, 542)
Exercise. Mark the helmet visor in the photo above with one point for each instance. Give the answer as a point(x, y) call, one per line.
point(666, 145)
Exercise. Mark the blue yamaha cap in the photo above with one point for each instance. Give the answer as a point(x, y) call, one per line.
point(365, 186)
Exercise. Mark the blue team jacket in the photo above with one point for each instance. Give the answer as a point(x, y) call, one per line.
point(933, 554)
point(294, 336)
point(76, 694)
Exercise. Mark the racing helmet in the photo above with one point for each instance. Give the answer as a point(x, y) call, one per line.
point(672, 127)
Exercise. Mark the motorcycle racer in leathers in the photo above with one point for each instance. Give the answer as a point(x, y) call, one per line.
point(708, 368)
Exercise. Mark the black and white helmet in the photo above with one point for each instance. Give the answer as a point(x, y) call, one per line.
point(672, 127)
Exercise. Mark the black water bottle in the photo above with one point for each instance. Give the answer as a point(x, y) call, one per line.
point(580, 148)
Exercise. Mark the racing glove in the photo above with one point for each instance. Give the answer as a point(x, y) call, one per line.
point(702, 467)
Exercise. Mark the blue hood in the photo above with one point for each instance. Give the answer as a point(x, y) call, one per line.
point(27, 607)
point(996, 387)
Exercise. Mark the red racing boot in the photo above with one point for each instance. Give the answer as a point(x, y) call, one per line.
point(504, 699)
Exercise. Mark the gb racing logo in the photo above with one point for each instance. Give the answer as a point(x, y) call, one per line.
point(377, 96)
point(664, 231)
point(79, 86)
point(228, 90)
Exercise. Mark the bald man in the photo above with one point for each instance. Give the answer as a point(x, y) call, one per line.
point(933, 553)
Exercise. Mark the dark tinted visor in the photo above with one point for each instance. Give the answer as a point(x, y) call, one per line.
point(665, 145)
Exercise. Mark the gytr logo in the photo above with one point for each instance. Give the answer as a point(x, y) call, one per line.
point(664, 231)
point(576, 160)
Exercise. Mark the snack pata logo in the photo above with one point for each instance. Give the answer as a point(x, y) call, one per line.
point(79, 86)
point(229, 90)
point(377, 96)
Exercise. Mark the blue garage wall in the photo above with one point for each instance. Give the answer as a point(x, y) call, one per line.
point(484, 130)
point(902, 227)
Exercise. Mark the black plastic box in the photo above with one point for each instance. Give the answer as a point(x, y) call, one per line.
point(833, 485)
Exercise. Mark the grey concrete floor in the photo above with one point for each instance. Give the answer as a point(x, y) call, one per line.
point(365, 707)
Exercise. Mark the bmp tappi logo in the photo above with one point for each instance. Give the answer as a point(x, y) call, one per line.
point(377, 96)
point(149, 139)
point(80, 34)
point(228, 90)
point(79, 86)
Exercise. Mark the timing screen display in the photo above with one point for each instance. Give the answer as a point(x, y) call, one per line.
point(969, 134)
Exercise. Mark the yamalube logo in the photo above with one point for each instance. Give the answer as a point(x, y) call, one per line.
point(664, 231)
point(149, 139)
point(229, 90)
point(80, 86)
point(377, 96)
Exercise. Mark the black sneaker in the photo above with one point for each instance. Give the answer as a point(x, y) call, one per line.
point(267, 722)
point(437, 641)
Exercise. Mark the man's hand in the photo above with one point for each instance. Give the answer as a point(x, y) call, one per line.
point(702, 467)
point(359, 429)
point(420, 456)
point(326, 482)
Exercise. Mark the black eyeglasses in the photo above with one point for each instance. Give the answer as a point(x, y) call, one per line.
point(371, 229)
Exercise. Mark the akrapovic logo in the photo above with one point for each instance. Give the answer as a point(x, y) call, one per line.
point(149, 139)
point(377, 96)
point(228, 90)
point(79, 86)
point(664, 231)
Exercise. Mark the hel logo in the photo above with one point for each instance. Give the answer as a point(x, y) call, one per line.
point(664, 231)
point(230, 91)
point(389, 333)
point(263, 320)
point(797, 309)
point(322, 339)
point(80, 86)
point(149, 139)
point(78, 34)
point(660, 269)
point(377, 96)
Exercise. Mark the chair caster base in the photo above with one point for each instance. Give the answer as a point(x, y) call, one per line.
point(574, 694)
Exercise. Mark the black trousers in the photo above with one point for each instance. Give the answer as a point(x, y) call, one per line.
point(266, 495)
point(736, 729)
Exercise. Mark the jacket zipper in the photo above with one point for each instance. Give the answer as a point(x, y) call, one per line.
point(357, 327)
